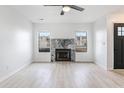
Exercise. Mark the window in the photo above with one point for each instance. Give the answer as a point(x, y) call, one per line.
point(120, 31)
point(44, 42)
point(81, 41)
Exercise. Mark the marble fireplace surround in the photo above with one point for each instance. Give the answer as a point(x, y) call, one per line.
point(62, 44)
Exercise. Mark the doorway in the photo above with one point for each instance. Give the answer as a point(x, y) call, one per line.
point(119, 46)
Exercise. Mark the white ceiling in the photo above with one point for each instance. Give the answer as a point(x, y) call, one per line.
point(51, 14)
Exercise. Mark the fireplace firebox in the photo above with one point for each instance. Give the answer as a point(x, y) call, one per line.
point(63, 54)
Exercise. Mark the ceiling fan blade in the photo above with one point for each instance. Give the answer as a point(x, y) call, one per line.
point(76, 7)
point(62, 13)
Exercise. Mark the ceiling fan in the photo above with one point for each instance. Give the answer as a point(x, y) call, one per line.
point(66, 8)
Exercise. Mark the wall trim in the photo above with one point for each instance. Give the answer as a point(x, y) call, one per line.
point(84, 61)
point(13, 72)
point(67, 61)
point(41, 62)
point(102, 66)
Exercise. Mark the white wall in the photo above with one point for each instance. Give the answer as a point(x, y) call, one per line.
point(15, 41)
point(104, 39)
point(117, 17)
point(63, 30)
point(100, 42)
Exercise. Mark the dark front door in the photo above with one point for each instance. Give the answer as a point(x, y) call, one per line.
point(119, 46)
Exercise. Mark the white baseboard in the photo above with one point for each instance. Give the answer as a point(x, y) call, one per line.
point(12, 73)
point(41, 61)
point(102, 66)
point(84, 61)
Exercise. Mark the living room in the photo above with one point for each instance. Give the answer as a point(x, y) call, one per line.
point(52, 47)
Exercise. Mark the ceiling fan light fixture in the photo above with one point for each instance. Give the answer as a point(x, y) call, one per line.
point(66, 9)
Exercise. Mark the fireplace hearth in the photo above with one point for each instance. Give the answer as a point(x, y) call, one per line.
point(63, 54)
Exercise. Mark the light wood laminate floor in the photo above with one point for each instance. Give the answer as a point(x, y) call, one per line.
point(64, 75)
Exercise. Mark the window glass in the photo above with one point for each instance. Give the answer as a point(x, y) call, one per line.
point(119, 33)
point(119, 29)
point(81, 33)
point(44, 42)
point(44, 33)
point(122, 29)
point(122, 33)
point(81, 41)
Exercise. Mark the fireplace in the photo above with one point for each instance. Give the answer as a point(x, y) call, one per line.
point(62, 50)
point(63, 54)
